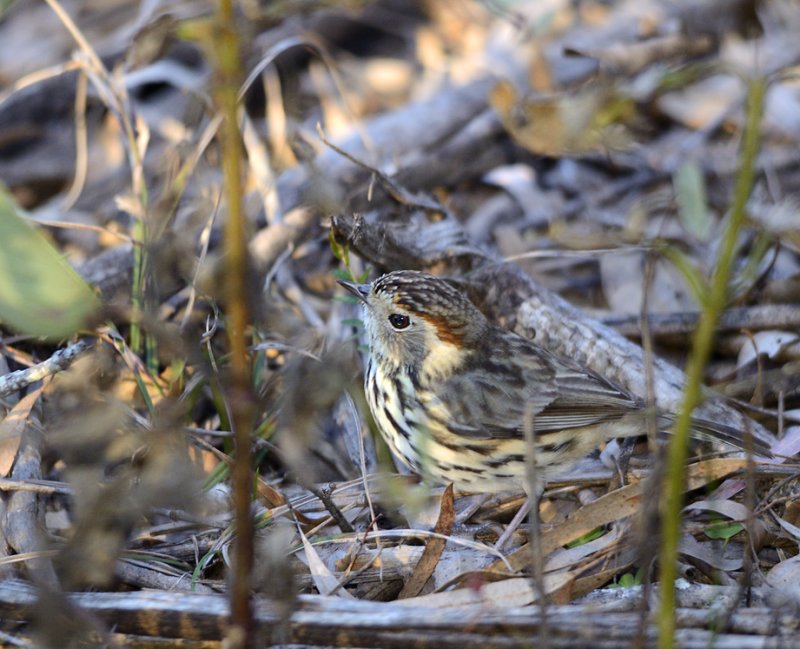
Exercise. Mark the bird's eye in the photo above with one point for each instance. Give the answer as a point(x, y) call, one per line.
point(399, 321)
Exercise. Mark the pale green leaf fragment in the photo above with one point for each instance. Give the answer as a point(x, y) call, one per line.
point(690, 192)
point(40, 293)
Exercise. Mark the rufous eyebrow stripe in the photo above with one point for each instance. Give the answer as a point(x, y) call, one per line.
point(444, 332)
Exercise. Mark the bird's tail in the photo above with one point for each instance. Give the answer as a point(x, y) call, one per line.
point(716, 432)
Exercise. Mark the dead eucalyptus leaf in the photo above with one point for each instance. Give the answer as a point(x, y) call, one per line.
point(591, 120)
point(12, 427)
point(708, 554)
point(505, 593)
point(785, 579)
point(433, 548)
point(326, 582)
point(769, 343)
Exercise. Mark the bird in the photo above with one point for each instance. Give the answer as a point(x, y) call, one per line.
point(452, 393)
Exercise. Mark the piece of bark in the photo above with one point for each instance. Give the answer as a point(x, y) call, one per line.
point(140, 574)
point(22, 522)
point(421, 126)
point(411, 240)
point(751, 318)
point(111, 272)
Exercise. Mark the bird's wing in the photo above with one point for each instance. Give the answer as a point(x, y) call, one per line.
point(492, 399)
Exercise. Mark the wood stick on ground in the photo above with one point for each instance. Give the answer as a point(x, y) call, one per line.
point(332, 621)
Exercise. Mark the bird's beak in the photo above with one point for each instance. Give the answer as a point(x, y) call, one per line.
point(359, 290)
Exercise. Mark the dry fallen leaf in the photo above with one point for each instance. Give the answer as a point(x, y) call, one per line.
point(433, 548)
point(506, 593)
point(614, 506)
point(588, 121)
point(622, 275)
point(785, 579)
point(768, 343)
point(326, 582)
point(12, 427)
point(617, 505)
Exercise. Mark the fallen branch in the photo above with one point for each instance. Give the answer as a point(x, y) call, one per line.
point(61, 360)
point(333, 621)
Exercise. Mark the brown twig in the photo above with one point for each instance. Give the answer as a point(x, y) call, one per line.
point(241, 402)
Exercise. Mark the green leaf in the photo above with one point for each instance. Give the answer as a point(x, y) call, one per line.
point(40, 293)
point(629, 579)
point(690, 192)
point(723, 530)
point(596, 533)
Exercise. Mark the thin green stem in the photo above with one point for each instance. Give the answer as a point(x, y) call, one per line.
point(672, 497)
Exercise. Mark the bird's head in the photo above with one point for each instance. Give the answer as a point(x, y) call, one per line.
point(418, 321)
